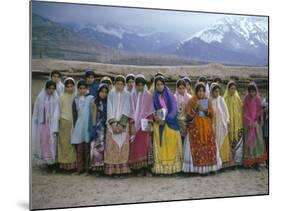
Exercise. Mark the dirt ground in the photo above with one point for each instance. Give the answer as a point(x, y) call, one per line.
point(51, 190)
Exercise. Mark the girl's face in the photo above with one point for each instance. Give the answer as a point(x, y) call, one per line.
point(159, 86)
point(232, 89)
point(55, 78)
point(130, 84)
point(216, 92)
point(50, 90)
point(90, 79)
point(110, 87)
point(188, 87)
point(140, 87)
point(69, 88)
point(181, 89)
point(201, 93)
point(119, 86)
point(103, 93)
point(252, 92)
point(83, 90)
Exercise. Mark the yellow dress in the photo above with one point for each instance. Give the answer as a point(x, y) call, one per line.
point(168, 157)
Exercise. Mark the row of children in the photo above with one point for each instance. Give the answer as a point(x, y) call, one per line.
point(117, 129)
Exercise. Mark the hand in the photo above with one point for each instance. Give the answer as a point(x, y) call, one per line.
point(120, 129)
point(161, 122)
point(133, 130)
point(157, 119)
point(114, 128)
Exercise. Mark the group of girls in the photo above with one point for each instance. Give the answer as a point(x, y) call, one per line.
point(124, 127)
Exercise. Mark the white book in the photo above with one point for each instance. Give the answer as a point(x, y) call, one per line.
point(144, 123)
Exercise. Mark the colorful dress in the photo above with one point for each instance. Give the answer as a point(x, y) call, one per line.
point(234, 105)
point(182, 101)
point(201, 152)
point(220, 124)
point(45, 121)
point(116, 154)
point(66, 151)
point(167, 144)
point(254, 147)
point(80, 134)
point(98, 132)
point(140, 143)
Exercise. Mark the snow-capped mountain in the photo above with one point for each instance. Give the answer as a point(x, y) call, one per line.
point(233, 40)
point(129, 38)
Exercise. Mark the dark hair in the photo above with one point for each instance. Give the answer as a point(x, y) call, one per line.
point(158, 74)
point(217, 79)
point(88, 73)
point(81, 83)
point(181, 82)
point(159, 78)
point(130, 77)
point(140, 80)
point(202, 79)
point(199, 86)
point(215, 87)
point(120, 78)
point(101, 87)
point(50, 83)
point(106, 81)
point(69, 81)
point(252, 87)
point(55, 72)
point(187, 80)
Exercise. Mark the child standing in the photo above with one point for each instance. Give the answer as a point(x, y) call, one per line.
point(66, 151)
point(140, 157)
point(80, 135)
point(45, 125)
point(98, 128)
point(254, 147)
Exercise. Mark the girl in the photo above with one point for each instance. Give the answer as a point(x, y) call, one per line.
point(234, 105)
point(221, 122)
point(182, 98)
point(116, 153)
point(140, 156)
point(130, 83)
point(107, 80)
point(80, 135)
point(188, 85)
point(45, 125)
point(254, 150)
point(167, 144)
point(66, 151)
point(204, 80)
point(201, 153)
point(98, 128)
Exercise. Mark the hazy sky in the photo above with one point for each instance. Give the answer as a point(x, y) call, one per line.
point(183, 23)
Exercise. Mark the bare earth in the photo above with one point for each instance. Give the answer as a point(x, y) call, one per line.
point(59, 190)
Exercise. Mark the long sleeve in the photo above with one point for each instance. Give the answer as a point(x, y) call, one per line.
point(74, 113)
point(211, 111)
point(94, 113)
point(174, 108)
point(109, 108)
point(56, 116)
point(224, 109)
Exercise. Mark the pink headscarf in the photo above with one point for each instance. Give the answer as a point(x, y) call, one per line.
point(141, 106)
point(251, 112)
point(182, 98)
